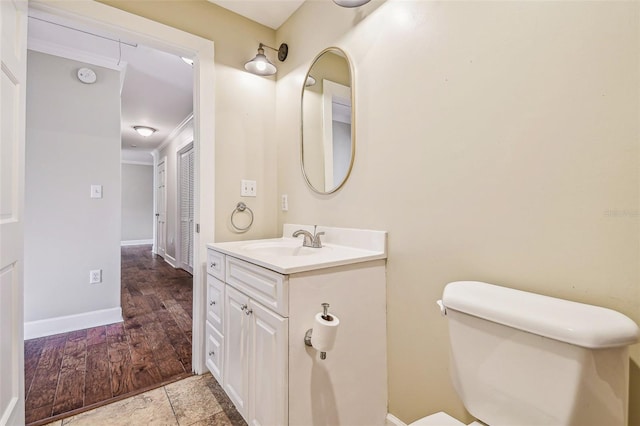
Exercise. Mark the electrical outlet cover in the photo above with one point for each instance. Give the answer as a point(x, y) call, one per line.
point(95, 276)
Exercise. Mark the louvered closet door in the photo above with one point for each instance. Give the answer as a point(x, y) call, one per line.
point(186, 210)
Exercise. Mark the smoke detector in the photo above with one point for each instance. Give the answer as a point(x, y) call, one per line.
point(87, 75)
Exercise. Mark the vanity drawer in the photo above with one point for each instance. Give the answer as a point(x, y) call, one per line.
point(215, 264)
point(215, 302)
point(267, 287)
point(214, 354)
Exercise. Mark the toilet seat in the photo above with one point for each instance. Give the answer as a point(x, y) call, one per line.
point(442, 419)
point(438, 419)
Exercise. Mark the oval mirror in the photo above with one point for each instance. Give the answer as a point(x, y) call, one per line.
point(328, 131)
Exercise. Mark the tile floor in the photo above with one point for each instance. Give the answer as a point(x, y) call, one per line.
point(195, 401)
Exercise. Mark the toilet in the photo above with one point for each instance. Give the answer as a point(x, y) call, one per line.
point(520, 358)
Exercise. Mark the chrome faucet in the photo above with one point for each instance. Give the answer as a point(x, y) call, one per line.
point(310, 240)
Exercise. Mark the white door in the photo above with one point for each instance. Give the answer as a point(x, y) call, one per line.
point(13, 51)
point(268, 368)
point(236, 360)
point(186, 208)
point(161, 208)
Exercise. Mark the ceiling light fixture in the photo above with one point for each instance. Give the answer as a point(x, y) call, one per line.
point(351, 3)
point(144, 130)
point(260, 65)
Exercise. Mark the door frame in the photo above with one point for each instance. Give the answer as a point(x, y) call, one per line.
point(172, 40)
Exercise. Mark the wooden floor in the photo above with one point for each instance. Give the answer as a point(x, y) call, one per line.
point(69, 372)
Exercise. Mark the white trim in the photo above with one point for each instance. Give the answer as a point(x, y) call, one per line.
point(138, 163)
point(394, 421)
point(172, 40)
point(50, 326)
point(55, 49)
point(136, 242)
point(74, 54)
point(171, 261)
point(175, 132)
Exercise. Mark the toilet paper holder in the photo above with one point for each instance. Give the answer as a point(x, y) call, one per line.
point(309, 333)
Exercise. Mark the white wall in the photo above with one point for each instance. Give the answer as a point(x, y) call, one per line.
point(72, 142)
point(496, 141)
point(137, 202)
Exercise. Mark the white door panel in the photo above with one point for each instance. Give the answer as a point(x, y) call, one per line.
point(13, 50)
point(161, 209)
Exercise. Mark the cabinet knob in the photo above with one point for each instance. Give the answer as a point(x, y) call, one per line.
point(212, 353)
point(248, 311)
point(213, 302)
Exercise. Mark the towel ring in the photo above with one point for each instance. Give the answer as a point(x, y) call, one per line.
point(241, 207)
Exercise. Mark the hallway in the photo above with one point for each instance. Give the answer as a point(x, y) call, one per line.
point(72, 372)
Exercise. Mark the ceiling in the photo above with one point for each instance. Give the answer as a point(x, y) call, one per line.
point(271, 13)
point(157, 87)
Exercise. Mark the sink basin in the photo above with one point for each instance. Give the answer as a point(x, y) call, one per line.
point(284, 248)
point(286, 255)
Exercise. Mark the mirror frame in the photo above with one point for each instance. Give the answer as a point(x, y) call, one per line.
point(353, 119)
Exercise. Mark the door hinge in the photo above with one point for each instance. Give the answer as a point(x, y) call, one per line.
point(197, 228)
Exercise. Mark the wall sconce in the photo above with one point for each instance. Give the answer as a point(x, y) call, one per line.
point(351, 3)
point(144, 130)
point(260, 65)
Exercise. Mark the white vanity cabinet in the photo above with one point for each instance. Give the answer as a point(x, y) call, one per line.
point(268, 372)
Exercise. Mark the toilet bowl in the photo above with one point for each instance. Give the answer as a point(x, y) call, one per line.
point(519, 358)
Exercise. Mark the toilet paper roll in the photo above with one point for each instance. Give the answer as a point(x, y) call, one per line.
point(324, 332)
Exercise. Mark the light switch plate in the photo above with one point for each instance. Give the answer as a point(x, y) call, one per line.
point(96, 191)
point(247, 188)
point(285, 203)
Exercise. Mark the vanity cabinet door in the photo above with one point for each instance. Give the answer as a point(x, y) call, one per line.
point(215, 264)
point(268, 367)
point(215, 302)
point(215, 356)
point(236, 360)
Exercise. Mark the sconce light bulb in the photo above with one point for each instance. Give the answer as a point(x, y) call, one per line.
point(261, 65)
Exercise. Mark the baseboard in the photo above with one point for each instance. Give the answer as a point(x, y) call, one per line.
point(394, 421)
point(50, 326)
point(170, 260)
point(136, 242)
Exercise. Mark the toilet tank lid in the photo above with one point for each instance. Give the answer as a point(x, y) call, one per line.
point(571, 322)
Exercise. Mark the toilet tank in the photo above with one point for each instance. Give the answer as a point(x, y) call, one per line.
point(520, 358)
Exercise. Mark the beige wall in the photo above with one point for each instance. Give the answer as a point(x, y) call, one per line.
point(245, 108)
point(496, 141)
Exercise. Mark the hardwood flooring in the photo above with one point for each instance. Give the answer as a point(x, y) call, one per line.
point(72, 372)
